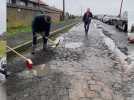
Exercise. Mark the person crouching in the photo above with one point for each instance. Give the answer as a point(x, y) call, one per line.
point(41, 25)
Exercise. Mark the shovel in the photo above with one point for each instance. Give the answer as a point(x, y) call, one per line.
point(56, 43)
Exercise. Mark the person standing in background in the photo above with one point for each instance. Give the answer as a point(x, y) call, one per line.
point(87, 20)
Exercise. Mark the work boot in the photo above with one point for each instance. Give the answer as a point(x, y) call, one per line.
point(33, 49)
point(44, 46)
point(86, 33)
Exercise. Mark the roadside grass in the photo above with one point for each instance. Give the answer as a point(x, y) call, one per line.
point(16, 30)
point(58, 22)
point(12, 31)
point(2, 48)
point(130, 33)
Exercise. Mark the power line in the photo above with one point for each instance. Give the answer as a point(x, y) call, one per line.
point(121, 8)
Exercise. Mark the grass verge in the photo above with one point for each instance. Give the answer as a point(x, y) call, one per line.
point(23, 47)
point(16, 30)
point(2, 48)
point(12, 31)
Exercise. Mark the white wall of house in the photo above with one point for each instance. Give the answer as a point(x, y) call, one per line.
point(130, 9)
point(2, 16)
point(130, 19)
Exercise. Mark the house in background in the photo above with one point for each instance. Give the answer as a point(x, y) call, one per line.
point(28, 3)
point(23, 11)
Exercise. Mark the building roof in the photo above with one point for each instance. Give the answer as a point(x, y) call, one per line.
point(37, 1)
point(45, 5)
point(53, 8)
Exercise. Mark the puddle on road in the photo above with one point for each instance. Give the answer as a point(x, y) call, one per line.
point(41, 70)
point(37, 71)
point(73, 45)
point(131, 47)
point(2, 93)
point(131, 51)
point(61, 39)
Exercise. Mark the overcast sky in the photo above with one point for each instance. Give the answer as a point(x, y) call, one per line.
point(130, 12)
point(97, 6)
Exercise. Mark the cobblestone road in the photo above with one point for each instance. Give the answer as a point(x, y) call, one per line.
point(83, 68)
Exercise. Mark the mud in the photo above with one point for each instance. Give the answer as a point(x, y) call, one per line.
point(84, 70)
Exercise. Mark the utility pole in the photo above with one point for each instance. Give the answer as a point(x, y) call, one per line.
point(81, 11)
point(39, 3)
point(121, 8)
point(63, 9)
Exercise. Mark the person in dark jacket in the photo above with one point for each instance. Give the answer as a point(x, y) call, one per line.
point(87, 20)
point(41, 25)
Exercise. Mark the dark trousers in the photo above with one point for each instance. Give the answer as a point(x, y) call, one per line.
point(86, 26)
point(4, 72)
point(43, 34)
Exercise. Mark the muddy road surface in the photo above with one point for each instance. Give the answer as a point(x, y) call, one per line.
point(81, 68)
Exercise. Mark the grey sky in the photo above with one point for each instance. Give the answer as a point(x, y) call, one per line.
point(97, 6)
point(130, 12)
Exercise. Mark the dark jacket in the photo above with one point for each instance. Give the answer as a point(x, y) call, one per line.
point(41, 23)
point(87, 17)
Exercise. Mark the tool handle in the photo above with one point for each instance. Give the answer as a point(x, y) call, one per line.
point(17, 53)
point(50, 40)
